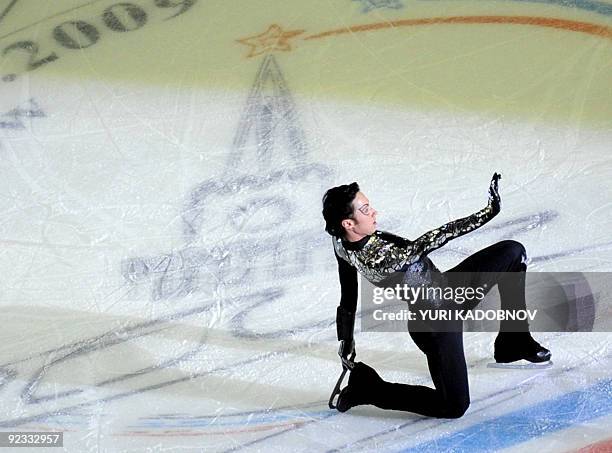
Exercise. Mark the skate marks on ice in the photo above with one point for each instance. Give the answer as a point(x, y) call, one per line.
point(236, 228)
point(250, 266)
point(523, 225)
point(540, 419)
point(15, 118)
point(180, 273)
point(480, 406)
point(268, 135)
point(492, 431)
point(53, 415)
point(288, 418)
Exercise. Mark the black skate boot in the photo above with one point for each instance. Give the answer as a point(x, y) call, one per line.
point(363, 382)
point(513, 347)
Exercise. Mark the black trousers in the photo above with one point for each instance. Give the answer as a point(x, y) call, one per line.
point(450, 396)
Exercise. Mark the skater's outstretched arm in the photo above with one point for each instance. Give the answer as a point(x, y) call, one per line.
point(345, 314)
point(435, 239)
point(412, 251)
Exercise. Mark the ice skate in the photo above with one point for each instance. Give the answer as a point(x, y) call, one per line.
point(518, 350)
point(363, 381)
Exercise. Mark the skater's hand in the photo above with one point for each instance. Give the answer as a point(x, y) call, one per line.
point(494, 198)
point(347, 347)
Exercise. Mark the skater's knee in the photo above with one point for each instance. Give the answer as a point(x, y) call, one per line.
point(516, 249)
point(456, 409)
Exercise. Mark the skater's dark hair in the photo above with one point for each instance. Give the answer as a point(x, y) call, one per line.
point(337, 206)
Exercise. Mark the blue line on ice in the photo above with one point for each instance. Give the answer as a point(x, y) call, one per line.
point(527, 423)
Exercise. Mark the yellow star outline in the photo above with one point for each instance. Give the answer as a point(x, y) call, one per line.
point(274, 38)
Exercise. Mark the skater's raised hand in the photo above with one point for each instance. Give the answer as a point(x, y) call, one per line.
point(494, 198)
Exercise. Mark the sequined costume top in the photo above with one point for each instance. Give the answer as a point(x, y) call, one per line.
point(379, 256)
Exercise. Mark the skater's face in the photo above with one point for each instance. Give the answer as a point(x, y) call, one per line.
point(363, 222)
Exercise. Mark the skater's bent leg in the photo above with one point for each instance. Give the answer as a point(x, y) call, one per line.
point(503, 256)
point(502, 264)
point(446, 361)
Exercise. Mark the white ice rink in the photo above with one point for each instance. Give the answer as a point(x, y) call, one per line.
point(167, 285)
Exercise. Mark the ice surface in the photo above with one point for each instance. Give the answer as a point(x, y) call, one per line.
point(166, 281)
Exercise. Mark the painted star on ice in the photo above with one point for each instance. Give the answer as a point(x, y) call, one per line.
point(274, 38)
point(369, 5)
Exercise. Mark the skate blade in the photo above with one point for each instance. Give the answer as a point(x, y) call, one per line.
point(521, 365)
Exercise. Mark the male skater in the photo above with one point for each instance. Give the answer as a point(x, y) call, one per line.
point(378, 256)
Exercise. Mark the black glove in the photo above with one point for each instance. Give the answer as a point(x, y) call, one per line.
point(494, 198)
point(347, 347)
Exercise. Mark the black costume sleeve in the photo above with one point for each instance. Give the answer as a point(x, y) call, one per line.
point(408, 252)
point(435, 239)
point(345, 314)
